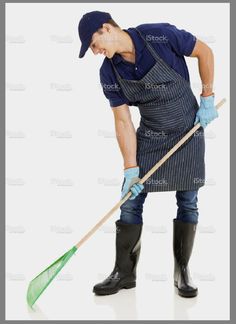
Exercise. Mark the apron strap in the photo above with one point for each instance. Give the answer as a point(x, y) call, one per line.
point(160, 60)
point(116, 72)
point(150, 48)
point(155, 56)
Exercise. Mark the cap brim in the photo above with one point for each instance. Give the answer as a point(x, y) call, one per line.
point(84, 48)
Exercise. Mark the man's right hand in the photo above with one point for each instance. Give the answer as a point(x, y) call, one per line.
point(131, 183)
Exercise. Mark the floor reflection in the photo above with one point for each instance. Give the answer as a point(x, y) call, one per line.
point(36, 313)
point(123, 303)
point(182, 305)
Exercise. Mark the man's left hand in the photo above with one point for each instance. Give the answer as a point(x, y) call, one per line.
point(207, 111)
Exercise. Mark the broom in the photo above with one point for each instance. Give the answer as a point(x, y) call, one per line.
point(41, 282)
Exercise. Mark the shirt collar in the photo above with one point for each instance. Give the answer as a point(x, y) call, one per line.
point(139, 45)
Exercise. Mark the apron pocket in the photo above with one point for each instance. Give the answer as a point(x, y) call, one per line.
point(166, 117)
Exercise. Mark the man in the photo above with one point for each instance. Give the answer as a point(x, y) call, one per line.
point(145, 67)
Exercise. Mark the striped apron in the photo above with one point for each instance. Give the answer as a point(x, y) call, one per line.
point(167, 107)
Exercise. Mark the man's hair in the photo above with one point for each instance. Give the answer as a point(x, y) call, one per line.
point(111, 22)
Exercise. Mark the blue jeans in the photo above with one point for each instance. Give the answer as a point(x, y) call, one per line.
point(131, 210)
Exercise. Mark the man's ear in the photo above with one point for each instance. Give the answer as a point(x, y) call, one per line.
point(107, 27)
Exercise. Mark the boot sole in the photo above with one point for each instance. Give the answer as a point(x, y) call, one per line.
point(114, 291)
point(187, 294)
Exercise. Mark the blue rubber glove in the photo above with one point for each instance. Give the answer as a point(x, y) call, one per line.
point(130, 183)
point(206, 112)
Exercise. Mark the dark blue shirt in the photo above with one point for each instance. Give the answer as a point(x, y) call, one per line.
point(170, 43)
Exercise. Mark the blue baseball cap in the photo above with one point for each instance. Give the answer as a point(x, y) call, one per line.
point(88, 25)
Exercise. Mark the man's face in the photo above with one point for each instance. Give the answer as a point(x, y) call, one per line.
point(103, 42)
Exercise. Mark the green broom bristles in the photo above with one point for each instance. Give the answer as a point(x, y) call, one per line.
point(40, 283)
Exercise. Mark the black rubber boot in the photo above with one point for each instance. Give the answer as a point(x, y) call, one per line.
point(128, 246)
point(183, 239)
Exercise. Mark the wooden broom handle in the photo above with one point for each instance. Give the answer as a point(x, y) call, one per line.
point(147, 175)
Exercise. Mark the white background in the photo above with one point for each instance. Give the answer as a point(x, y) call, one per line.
point(64, 172)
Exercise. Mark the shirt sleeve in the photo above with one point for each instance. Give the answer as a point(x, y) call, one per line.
point(180, 40)
point(111, 87)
